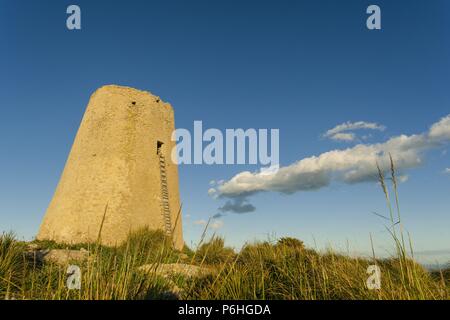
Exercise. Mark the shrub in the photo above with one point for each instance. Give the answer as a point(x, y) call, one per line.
point(214, 252)
point(291, 243)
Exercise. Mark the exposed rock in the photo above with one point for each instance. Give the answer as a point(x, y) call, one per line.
point(33, 247)
point(61, 256)
point(170, 269)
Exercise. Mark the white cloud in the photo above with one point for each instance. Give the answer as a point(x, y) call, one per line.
point(447, 170)
point(217, 224)
point(200, 222)
point(441, 130)
point(341, 132)
point(212, 192)
point(351, 165)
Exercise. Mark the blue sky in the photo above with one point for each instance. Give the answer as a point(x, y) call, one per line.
point(300, 66)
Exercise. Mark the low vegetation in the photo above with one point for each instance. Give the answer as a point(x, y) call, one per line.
point(282, 269)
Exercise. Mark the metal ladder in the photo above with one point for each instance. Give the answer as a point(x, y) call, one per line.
point(165, 195)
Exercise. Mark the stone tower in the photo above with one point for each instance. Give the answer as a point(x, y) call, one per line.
point(119, 173)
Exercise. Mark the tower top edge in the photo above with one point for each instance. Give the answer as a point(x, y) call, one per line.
point(130, 92)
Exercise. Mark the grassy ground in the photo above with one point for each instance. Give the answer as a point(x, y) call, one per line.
point(283, 269)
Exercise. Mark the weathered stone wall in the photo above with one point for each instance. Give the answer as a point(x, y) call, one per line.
point(114, 163)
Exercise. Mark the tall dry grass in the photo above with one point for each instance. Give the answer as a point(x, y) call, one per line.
point(108, 273)
point(287, 270)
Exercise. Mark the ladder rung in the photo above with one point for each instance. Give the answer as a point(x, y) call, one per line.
point(165, 196)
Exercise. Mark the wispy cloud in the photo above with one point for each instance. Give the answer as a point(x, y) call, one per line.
point(343, 132)
point(432, 252)
point(447, 170)
point(215, 224)
point(351, 165)
point(343, 136)
point(200, 222)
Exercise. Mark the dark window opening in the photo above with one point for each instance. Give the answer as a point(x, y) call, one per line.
point(159, 145)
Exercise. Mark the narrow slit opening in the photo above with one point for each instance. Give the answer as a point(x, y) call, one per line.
point(159, 146)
